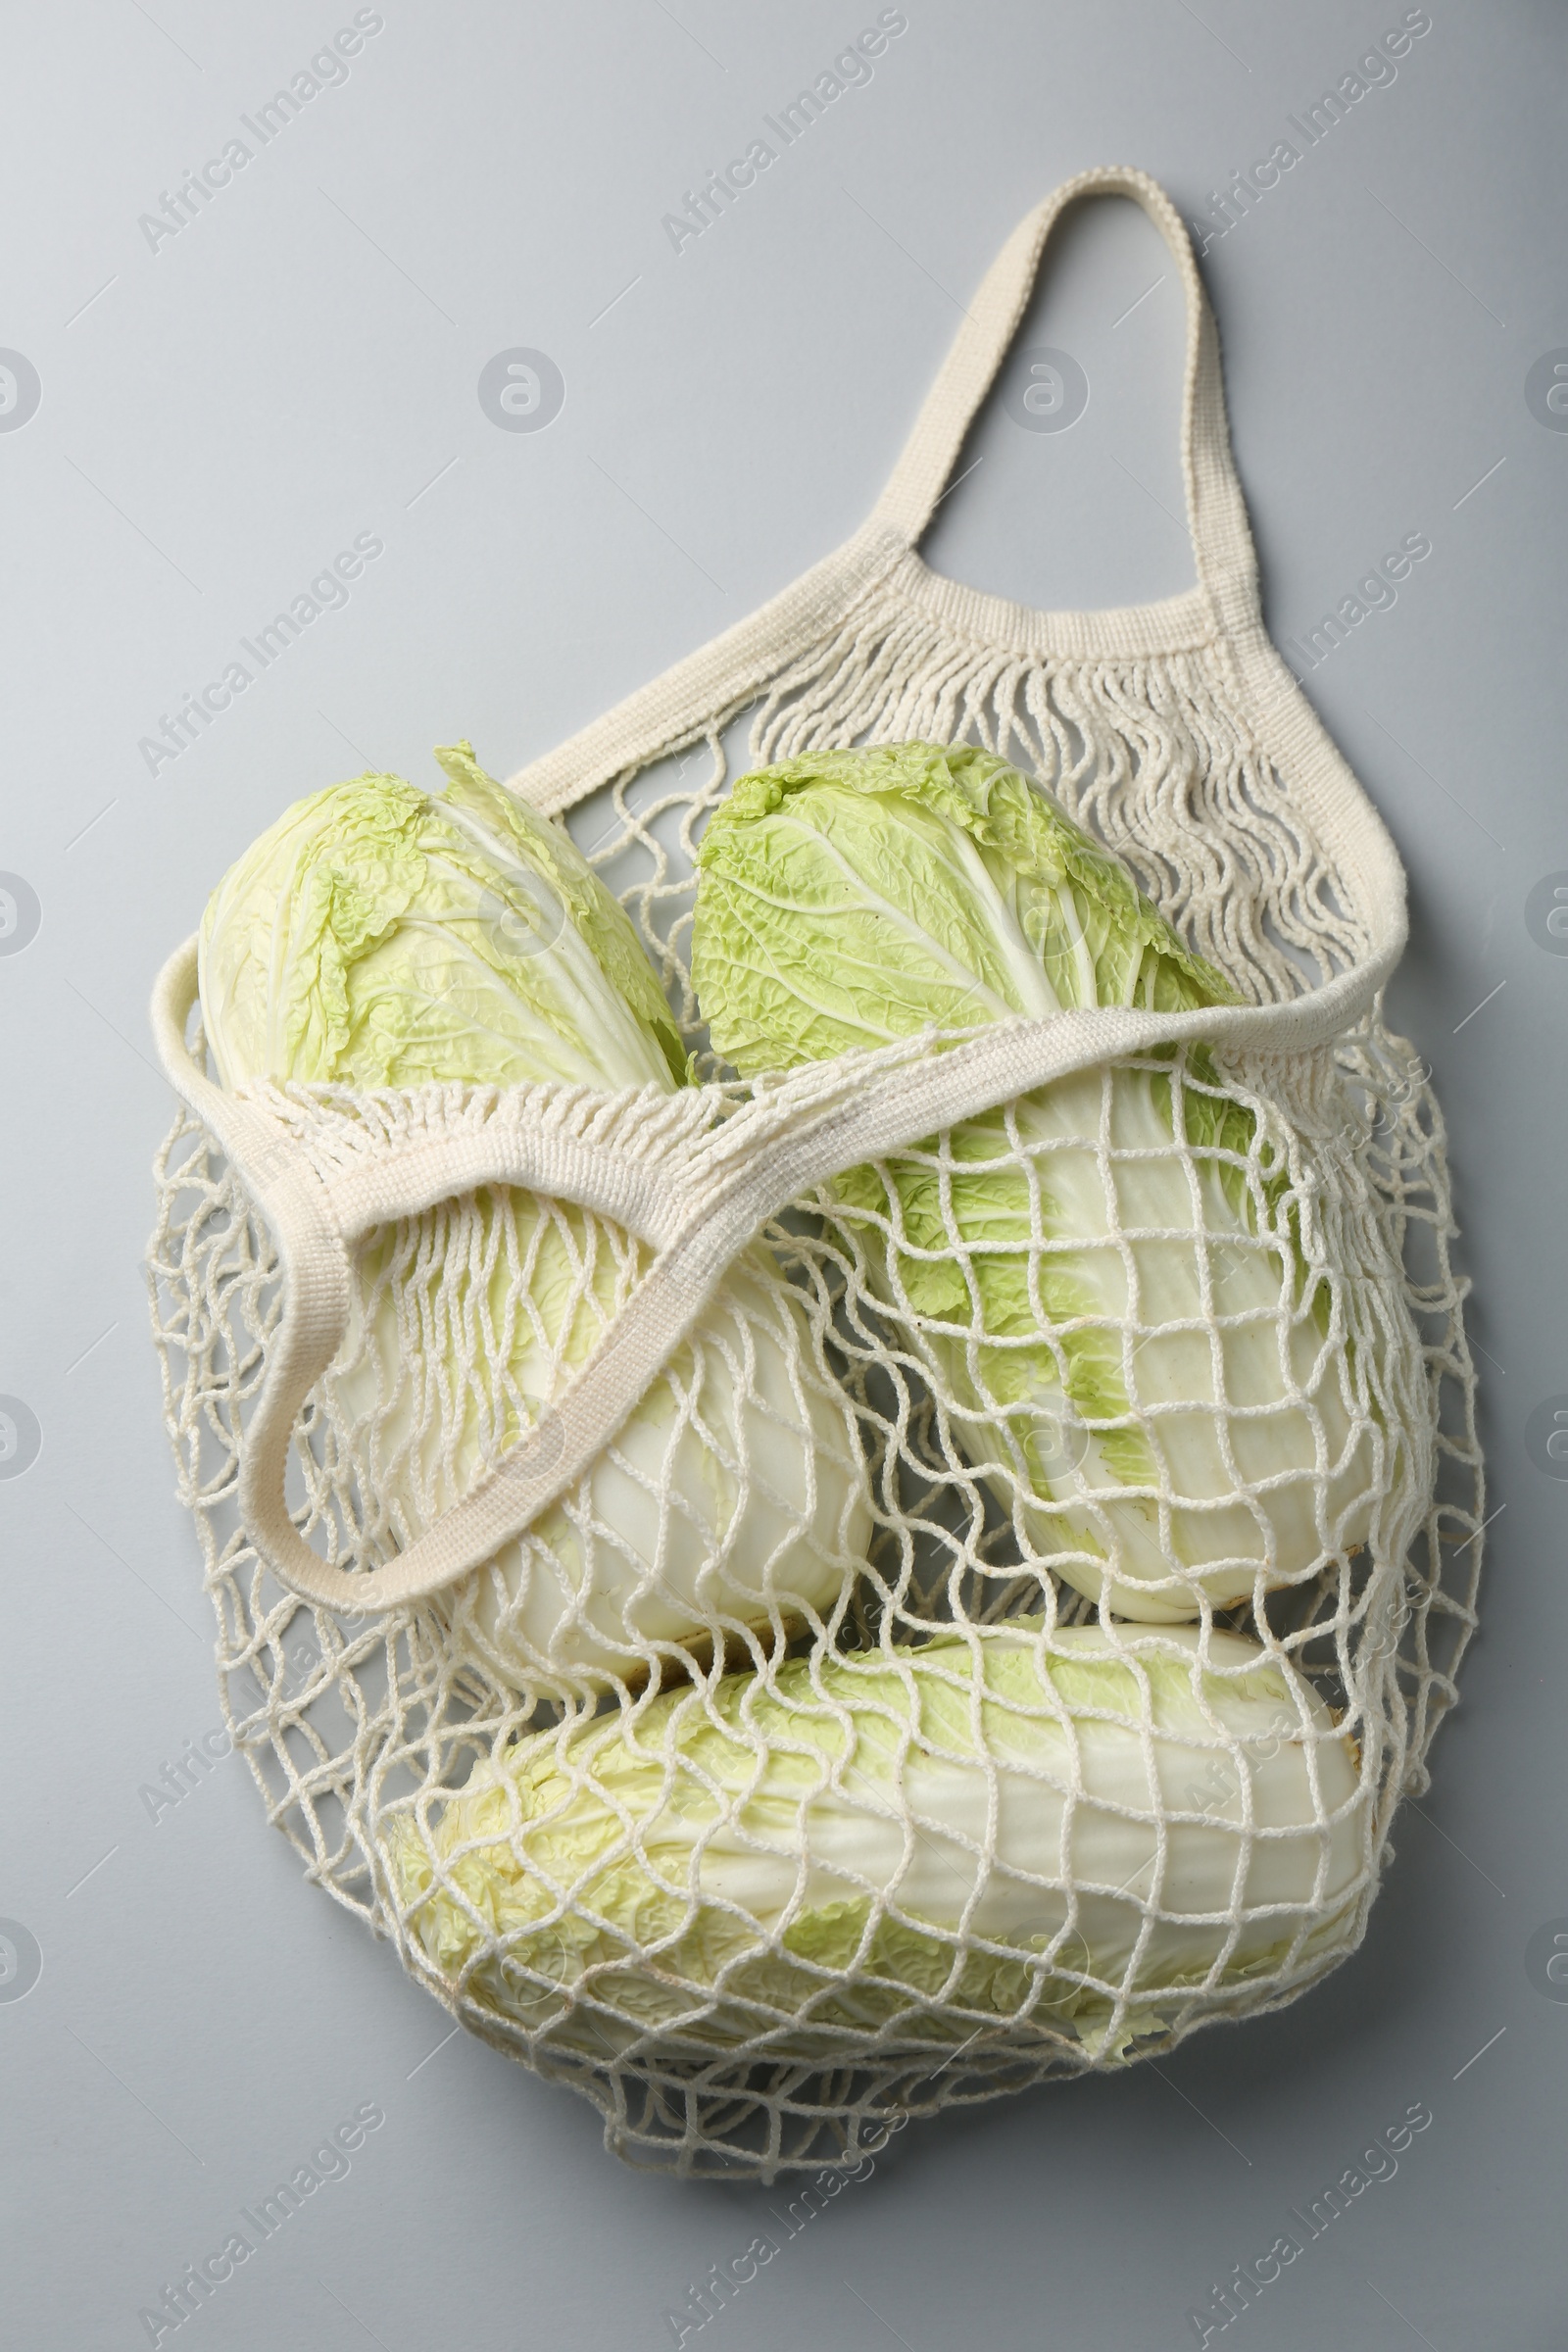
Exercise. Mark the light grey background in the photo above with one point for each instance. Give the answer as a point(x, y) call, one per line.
point(299, 364)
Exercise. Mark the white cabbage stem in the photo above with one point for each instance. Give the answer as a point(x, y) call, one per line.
point(734, 1496)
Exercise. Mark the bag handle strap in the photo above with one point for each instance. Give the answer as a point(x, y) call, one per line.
point(316, 1219)
point(676, 706)
point(713, 1194)
point(1217, 511)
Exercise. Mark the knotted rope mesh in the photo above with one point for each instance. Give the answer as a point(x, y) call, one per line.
point(797, 1765)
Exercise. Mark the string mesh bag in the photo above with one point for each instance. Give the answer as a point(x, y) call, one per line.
point(1142, 1558)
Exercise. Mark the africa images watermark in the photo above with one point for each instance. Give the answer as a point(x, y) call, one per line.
point(1229, 205)
point(197, 1760)
point(327, 69)
point(326, 593)
point(722, 2282)
point(851, 70)
point(287, 1669)
point(1245, 2281)
point(1374, 593)
point(198, 2282)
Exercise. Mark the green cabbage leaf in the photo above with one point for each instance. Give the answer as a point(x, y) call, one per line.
point(380, 936)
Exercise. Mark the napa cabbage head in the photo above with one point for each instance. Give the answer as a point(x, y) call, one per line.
point(1061, 1301)
point(741, 1865)
point(378, 935)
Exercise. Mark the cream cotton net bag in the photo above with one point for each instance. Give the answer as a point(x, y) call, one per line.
point(988, 1740)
